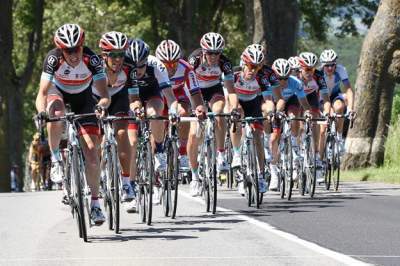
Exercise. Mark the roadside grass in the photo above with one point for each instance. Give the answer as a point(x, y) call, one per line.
point(380, 174)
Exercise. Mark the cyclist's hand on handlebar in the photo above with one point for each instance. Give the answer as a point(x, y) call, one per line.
point(307, 114)
point(235, 114)
point(100, 111)
point(42, 116)
point(200, 112)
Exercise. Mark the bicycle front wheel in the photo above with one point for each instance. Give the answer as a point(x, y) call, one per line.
point(78, 194)
point(311, 168)
point(148, 188)
point(336, 166)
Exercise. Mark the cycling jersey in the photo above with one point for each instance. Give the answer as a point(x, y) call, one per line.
point(294, 88)
point(153, 81)
point(118, 85)
point(185, 78)
point(263, 82)
point(339, 76)
point(70, 79)
point(316, 84)
point(209, 76)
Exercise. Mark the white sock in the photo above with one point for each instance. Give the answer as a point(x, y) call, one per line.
point(95, 203)
point(125, 180)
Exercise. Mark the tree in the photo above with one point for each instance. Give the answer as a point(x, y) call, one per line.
point(13, 84)
point(374, 88)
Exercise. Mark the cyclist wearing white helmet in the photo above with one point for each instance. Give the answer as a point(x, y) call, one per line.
point(113, 45)
point(184, 83)
point(288, 98)
point(335, 75)
point(249, 83)
point(68, 73)
point(147, 84)
point(294, 66)
point(210, 65)
point(314, 84)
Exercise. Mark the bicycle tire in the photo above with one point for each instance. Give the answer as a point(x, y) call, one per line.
point(289, 167)
point(336, 166)
point(255, 191)
point(166, 177)
point(329, 159)
point(213, 176)
point(78, 193)
point(115, 189)
point(312, 169)
point(175, 181)
point(203, 169)
point(149, 184)
point(141, 201)
point(228, 152)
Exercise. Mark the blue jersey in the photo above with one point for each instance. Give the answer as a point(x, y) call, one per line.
point(334, 81)
point(294, 87)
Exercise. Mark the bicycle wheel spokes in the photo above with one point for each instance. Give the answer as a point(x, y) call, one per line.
point(115, 189)
point(336, 166)
point(329, 160)
point(78, 193)
point(174, 182)
point(149, 186)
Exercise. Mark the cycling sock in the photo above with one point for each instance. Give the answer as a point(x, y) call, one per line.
point(55, 155)
point(236, 150)
point(159, 147)
point(221, 150)
point(195, 174)
point(95, 202)
point(125, 179)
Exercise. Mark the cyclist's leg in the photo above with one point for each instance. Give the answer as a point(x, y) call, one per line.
point(155, 107)
point(183, 110)
point(236, 138)
point(339, 107)
point(217, 104)
point(55, 108)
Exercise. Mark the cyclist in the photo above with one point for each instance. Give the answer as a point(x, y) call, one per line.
point(294, 66)
point(184, 83)
point(210, 65)
point(288, 97)
point(147, 82)
point(335, 74)
point(113, 45)
point(315, 87)
point(68, 73)
point(249, 82)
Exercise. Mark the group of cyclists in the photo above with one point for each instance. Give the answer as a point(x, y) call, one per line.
point(125, 80)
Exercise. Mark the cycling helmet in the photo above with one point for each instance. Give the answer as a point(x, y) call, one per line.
point(252, 55)
point(168, 51)
point(281, 67)
point(328, 56)
point(113, 40)
point(294, 62)
point(69, 36)
point(257, 46)
point(212, 42)
point(307, 59)
point(138, 50)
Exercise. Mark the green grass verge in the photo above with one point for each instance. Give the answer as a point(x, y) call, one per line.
point(383, 174)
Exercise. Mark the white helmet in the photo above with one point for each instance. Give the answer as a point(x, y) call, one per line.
point(138, 50)
point(328, 56)
point(212, 41)
point(252, 55)
point(307, 59)
point(294, 62)
point(69, 36)
point(113, 40)
point(281, 67)
point(257, 46)
point(168, 51)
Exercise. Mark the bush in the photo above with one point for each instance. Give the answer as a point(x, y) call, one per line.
point(392, 145)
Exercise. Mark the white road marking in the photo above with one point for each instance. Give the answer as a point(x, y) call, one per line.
point(291, 237)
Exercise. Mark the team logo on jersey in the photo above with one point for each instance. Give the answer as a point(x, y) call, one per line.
point(132, 75)
point(94, 60)
point(67, 71)
point(227, 67)
point(193, 78)
point(192, 60)
point(52, 61)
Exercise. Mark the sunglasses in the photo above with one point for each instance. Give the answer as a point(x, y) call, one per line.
point(72, 50)
point(118, 54)
point(253, 67)
point(330, 65)
point(309, 69)
point(283, 78)
point(171, 65)
point(141, 66)
point(212, 53)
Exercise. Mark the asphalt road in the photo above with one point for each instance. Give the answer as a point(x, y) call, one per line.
point(362, 221)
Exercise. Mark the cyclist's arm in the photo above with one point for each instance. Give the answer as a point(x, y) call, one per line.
point(101, 86)
point(99, 78)
point(349, 97)
point(41, 99)
point(232, 96)
point(280, 103)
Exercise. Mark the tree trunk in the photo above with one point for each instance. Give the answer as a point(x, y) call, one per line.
point(13, 89)
point(276, 25)
point(374, 89)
